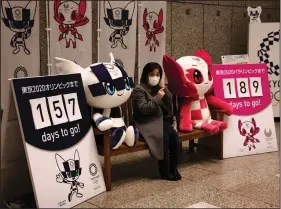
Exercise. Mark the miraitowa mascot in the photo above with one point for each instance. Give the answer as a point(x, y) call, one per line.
point(106, 86)
point(191, 80)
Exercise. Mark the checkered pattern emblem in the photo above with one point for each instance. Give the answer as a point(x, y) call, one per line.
point(265, 48)
point(20, 69)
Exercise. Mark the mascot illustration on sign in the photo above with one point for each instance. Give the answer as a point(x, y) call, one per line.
point(152, 24)
point(254, 14)
point(70, 15)
point(191, 80)
point(107, 86)
point(120, 20)
point(70, 171)
point(249, 129)
point(19, 20)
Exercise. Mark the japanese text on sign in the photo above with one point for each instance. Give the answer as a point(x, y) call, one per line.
point(240, 71)
point(48, 87)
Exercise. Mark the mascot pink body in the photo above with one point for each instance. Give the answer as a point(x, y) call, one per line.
point(190, 79)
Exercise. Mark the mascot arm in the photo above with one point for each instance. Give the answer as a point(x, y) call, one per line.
point(186, 124)
point(218, 103)
point(103, 123)
point(144, 106)
point(62, 29)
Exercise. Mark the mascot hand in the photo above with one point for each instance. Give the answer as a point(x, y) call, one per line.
point(81, 185)
point(59, 178)
point(103, 123)
point(229, 110)
point(186, 125)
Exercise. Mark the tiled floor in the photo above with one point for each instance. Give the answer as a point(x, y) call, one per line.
point(242, 182)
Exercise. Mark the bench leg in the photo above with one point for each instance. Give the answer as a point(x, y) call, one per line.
point(107, 162)
point(221, 147)
point(191, 145)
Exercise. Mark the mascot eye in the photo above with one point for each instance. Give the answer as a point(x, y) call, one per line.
point(155, 24)
point(194, 76)
point(127, 84)
point(251, 130)
point(110, 89)
point(197, 76)
point(210, 76)
point(25, 24)
point(12, 23)
point(73, 15)
point(112, 23)
point(243, 131)
point(61, 16)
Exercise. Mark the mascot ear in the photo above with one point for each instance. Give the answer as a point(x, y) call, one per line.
point(254, 122)
point(239, 125)
point(205, 56)
point(176, 78)
point(64, 66)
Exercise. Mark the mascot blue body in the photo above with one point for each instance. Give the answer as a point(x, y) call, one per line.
point(107, 86)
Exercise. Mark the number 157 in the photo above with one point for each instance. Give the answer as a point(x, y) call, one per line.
point(62, 108)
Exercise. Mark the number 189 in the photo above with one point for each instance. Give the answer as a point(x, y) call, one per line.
point(242, 87)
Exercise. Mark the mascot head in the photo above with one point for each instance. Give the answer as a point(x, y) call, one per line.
point(189, 76)
point(106, 85)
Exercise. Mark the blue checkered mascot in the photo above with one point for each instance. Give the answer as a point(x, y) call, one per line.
point(107, 86)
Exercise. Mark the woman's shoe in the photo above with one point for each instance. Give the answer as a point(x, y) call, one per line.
point(165, 173)
point(169, 177)
point(177, 174)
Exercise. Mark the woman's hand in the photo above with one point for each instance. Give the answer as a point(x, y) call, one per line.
point(161, 84)
point(161, 93)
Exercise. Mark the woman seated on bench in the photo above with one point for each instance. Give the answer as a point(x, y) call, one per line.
point(152, 109)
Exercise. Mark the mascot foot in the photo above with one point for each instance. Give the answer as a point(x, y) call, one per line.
point(222, 125)
point(79, 195)
point(117, 138)
point(210, 128)
point(132, 136)
point(104, 123)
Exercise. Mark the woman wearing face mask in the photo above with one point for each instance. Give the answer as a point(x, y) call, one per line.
point(152, 108)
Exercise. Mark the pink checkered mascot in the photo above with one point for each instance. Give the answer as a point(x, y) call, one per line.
point(191, 80)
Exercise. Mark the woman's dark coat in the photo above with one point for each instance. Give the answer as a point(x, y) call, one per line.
point(148, 116)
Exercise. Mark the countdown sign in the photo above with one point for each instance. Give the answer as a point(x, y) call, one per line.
point(251, 128)
point(58, 140)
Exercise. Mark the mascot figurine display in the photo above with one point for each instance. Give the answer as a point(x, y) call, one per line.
point(190, 78)
point(106, 86)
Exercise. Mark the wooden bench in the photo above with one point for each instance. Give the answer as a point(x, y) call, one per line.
point(107, 152)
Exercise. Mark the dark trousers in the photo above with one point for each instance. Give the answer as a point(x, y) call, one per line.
point(172, 146)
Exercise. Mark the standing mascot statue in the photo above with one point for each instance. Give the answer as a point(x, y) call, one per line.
point(190, 78)
point(106, 86)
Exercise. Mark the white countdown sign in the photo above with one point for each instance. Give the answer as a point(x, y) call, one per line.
point(58, 139)
point(251, 128)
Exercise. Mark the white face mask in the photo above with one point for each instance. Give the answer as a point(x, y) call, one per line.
point(154, 80)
